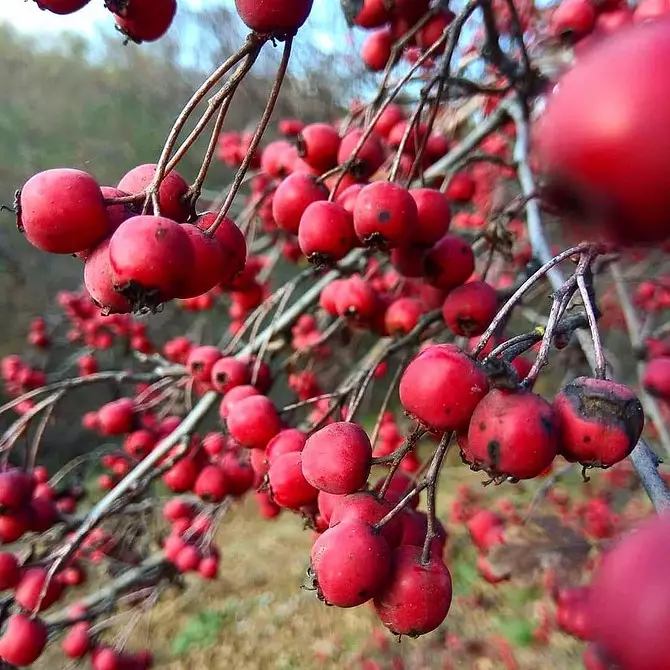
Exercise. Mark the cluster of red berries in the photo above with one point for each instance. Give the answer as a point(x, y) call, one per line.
point(131, 261)
point(138, 20)
point(390, 23)
point(514, 433)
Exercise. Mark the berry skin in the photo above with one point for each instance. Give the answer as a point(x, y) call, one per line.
point(318, 144)
point(233, 246)
point(469, 309)
point(29, 591)
point(442, 386)
point(418, 595)
point(62, 6)
point(337, 458)
point(384, 215)
point(377, 48)
point(434, 215)
point(77, 643)
point(23, 641)
point(356, 300)
point(181, 477)
point(274, 16)
point(288, 485)
point(449, 263)
point(600, 421)
point(253, 422)
point(292, 197)
point(326, 233)
point(656, 377)
point(367, 14)
point(402, 315)
point(146, 20)
point(209, 262)
point(227, 373)
point(629, 594)
point(16, 489)
point(151, 259)
point(513, 434)
point(116, 417)
point(170, 193)
point(62, 211)
point(10, 571)
point(201, 362)
point(368, 160)
point(284, 442)
point(211, 484)
point(351, 562)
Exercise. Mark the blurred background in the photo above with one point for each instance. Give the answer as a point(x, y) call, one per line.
point(71, 94)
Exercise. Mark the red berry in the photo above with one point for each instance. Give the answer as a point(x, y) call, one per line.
point(23, 640)
point(209, 567)
point(238, 470)
point(99, 282)
point(77, 642)
point(62, 6)
point(377, 48)
point(172, 188)
point(627, 606)
point(181, 477)
point(609, 169)
point(116, 417)
point(402, 315)
point(513, 434)
point(201, 361)
point(10, 571)
point(29, 591)
point(326, 233)
point(337, 458)
point(211, 484)
point(146, 21)
point(433, 31)
point(318, 144)
point(356, 300)
point(573, 19)
point(434, 215)
point(227, 373)
point(656, 377)
point(461, 188)
point(600, 421)
point(418, 595)
point(274, 16)
point(351, 562)
point(469, 309)
point(62, 211)
point(293, 196)
point(233, 246)
point(367, 14)
point(284, 442)
point(234, 396)
point(288, 485)
point(16, 489)
point(151, 259)
point(442, 386)
point(253, 422)
point(370, 157)
point(384, 215)
point(209, 263)
point(449, 263)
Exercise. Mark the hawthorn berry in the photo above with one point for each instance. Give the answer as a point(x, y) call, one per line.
point(469, 309)
point(513, 434)
point(351, 563)
point(656, 377)
point(227, 373)
point(434, 216)
point(600, 421)
point(449, 263)
point(318, 144)
point(369, 158)
point(442, 386)
point(62, 6)
point(288, 486)
point(326, 233)
point(337, 458)
point(173, 187)
point(274, 16)
point(253, 422)
point(417, 598)
point(23, 640)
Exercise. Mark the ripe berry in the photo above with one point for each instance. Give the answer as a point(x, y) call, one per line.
point(292, 197)
point(656, 377)
point(513, 434)
point(318, 144)
point(99, 282)
point(365, 506)
point(274, 16)
point(433, 31)
point(337, 458)
point(608, 169)
point(461, 188)
point(23, 640)
point(418, 595)
point(384, 215)
point(10, 571)
point(208, 567)
point(238, 470)
point(233, 245)
point(62, 211)
point(442, 386)
point(227, 373)
point(172, 189)
point(235, 395)
point(116, 417)
point(434, 216)
point(449, 263)
point(77, 643)
point(62, 6)
point(211, 484)
point(253, 422)
point(326, 233)
point(356, 300)
point(351, 562)
point(366, 14)
point(377, 48)
point(573, 19)
point(151, 259)
point(402, 315)
point(16, 489)
point(370, 157)
point(209, 263)
point(600, 421)
point(29, 591)
point(469, 309)
point(288, 485)
point(629, 594)
point(181, 477)
point(201, 361)
point(284, 442)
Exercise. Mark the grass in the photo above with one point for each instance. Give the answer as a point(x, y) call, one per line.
point(256, 616)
